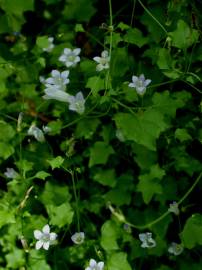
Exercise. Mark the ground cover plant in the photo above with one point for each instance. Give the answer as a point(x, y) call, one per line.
point(100, 134)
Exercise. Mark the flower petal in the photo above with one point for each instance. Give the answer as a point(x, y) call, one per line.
point(97, 59)
point(100, 265)
point(53, 236)
point(92, 263)
point(67, 51)
point(46, 245)
point(55, 73)
point(77, 51)
point(46, 229)
point(38, 234)
point(39, 244)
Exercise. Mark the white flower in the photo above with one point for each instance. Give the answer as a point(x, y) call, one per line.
point(77, 103)
point(78, 238)
point(173, 208)
point(50, 46)
point(44, 237)
point(139, 83)
point(36, 132)
point(175, 249)
point(103, 61)
point(60, 80)
point(147, 241)
point(53, 92)
point(93, 265)
point(70, 57)
point(11, 173)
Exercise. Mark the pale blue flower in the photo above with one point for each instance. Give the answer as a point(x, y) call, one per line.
point(36, 132)
point(93, 265)
point(147, 240)
point(175, 249)
point(11, 173)
point(60, 80)
point(173, 208)
point(77, 103)
point(50, 46)
point(54, 92)
point(70, 57)
point(45, 237)
point(78, 238)
point(140, 84)
point(103, 61)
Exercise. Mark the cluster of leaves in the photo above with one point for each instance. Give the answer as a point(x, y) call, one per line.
point(126, 158)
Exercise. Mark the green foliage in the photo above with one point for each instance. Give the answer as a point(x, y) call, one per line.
point(118, 151)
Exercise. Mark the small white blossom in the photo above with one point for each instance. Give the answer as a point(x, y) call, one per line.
point(103, 61)
point(77, 103)
point(78, 238)
point(46, 129)
point(139, 83)
point(50, 46)
point(11, 173)
point(60, 80)
point(175, 249)
point(147, 241)
point(93, 265)
point(45, 237)
point(70, 57)
point(36, 132)
point(173, 208)
point(53, 92)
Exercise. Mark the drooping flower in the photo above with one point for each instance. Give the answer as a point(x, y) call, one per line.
point(175, 249)
point(50, 46)
point(103, 61)
point(36, 132)
point(173, 208)
point(53, 92)
point(57, 79)
point(78, 238)
point(77, 103)
point(140, 84)
point(45, 237)
point(93, 265)
point(11, 173)
point(147, 240)
point(70, 57)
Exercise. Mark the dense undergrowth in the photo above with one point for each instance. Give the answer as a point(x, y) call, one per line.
point(100, 134)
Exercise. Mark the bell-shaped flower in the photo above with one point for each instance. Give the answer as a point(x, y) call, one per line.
point(36, 132)
point(140, 84)
point(175, 249)
point(147, 240)
point(78, 238)
point(93, 265)
point(173, 208)
point(60, 80)
point(45, 237)
point(11, 173)
point(70, 57)
point(77, 103)
point(54, 92)
point(103, 61)
point(50, 46)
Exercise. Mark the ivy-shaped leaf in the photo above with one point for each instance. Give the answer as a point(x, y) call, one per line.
point(118, 261)
point(100, 153)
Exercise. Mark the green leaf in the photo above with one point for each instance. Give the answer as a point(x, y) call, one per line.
point(56, 162)
point(134, 36)
point(95, 84)
point(60, 215)
point(86, 128)
point(7, 215)
point(100, 153)
point(182, 135)
point(143, 128)
point(79, 28)
point(15, 259)
point(118, 261)
point(183, 37)
point(192, 232)
point(42, 175)
point(109, 234)
point(17, 7)
point(106, 177)
point(6, 150)
point(54, 194)
point(7, 131)
point(42, 42)
point(148, 183)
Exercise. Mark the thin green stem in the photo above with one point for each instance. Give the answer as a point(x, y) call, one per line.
point(165, 214)
point(152, 16)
